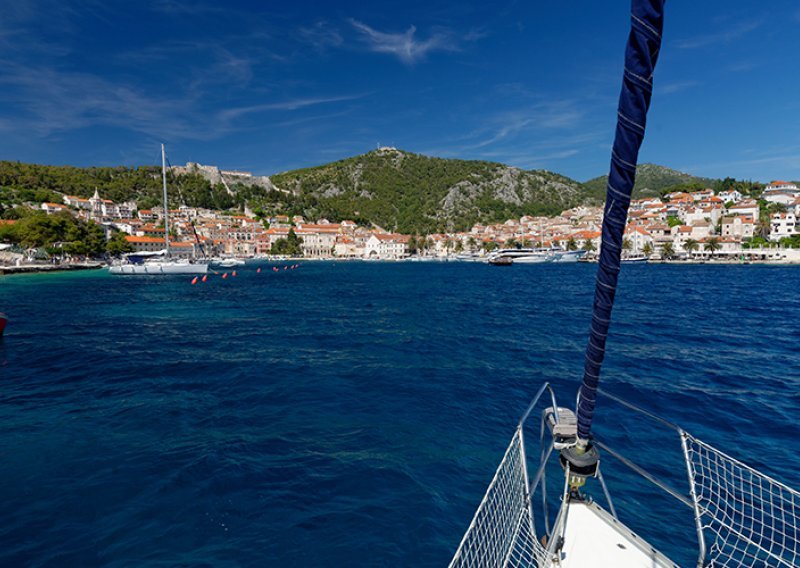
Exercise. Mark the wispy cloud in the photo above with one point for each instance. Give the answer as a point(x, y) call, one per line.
point(291, 104)
point(49, 101)
point(535, 117)
point(406, 46)
point(677, 86)
point(762, 163)
point(727, 35)
point(320, 36)
point(179, 8)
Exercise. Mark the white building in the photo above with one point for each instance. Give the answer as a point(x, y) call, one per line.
point(77, 202)
point(782, 225)
point(782, 197)
point(742, 227)
point(386, 246)
point(730, 195)
point(748, 207)
point(779, 185)
point(51, 208)
point(638, 238)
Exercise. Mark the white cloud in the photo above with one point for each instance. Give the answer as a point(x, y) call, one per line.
point(405, 46)
point(320, 36)
point(291, 104)
point(676, 86)
point(727, 35)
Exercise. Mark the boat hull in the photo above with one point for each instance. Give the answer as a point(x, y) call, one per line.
point(571, 256)
point(159, 268)
point(531, 259)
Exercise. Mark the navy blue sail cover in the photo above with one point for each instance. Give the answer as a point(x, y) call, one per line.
point(644, 41)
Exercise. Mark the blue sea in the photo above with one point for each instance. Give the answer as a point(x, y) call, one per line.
point(352, 414)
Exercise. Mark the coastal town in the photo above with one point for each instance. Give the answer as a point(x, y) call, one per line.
point(696, 225)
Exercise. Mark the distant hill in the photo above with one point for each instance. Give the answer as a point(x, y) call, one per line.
point(413, 193)
point(21, 182)
point(397, 190)
point(650, 180)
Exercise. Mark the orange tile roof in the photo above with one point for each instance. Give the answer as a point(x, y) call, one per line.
point(135, 239)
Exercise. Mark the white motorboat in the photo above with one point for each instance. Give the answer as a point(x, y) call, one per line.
point(228, 262)
point(526, 255)
point(571, 256)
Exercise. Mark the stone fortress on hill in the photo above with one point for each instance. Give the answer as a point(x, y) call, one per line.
point(215, 175)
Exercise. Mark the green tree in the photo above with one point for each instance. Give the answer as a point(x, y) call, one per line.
point(667, 252)
point(588, 245)
point(691, 245)
point(626, 244)
point(472, 243)
point(412, 245)
point(459, 246)
point(673, 222)
point(289, 246)
point(489, 246)
point(36, 229)
point(571, 244)
point(647, 249)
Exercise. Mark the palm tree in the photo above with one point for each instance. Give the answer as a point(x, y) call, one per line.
point(571, 244)
point(588, 246)
point(626, 244)
point(511, 242)
point(691, 245)
point(472, 243)
point(459, 246)
point(647, 249)
point(713, 245)
point(667, 252)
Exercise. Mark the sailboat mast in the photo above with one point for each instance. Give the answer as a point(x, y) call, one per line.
point(166, 207)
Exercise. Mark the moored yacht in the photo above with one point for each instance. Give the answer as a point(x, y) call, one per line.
point(571, 256)
point(526, 255)
point(158, 262)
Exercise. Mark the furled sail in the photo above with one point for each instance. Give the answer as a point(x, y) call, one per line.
point(644, 41)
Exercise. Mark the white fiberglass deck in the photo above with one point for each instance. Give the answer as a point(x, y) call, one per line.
point(594, 538)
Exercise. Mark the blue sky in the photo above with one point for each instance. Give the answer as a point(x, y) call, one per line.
point(268, 86)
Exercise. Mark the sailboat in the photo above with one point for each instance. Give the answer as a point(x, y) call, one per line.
point(159, 262)
point(742, 517)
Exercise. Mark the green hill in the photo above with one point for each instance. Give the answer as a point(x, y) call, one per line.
point(35, 183)
point(651, 179)
point(412, 193)
point(396, 190)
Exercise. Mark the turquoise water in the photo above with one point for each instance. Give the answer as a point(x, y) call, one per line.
point(353, 413)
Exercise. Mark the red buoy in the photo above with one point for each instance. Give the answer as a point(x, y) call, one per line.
point(233, 273)
point(205, 277)
point(3, 322)
point(194, 280)
point(259, 270)
point(225, 275)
